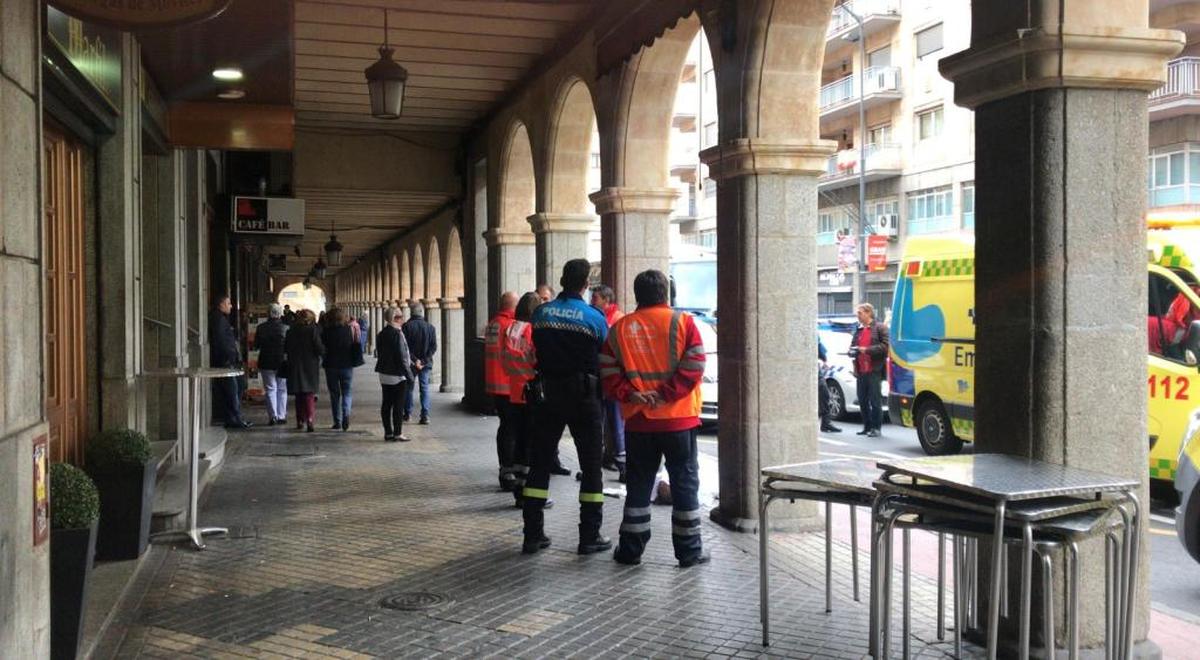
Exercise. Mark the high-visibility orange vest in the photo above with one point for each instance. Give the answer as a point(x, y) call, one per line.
point(495, 380)
point(649, 344)
point(518, 359)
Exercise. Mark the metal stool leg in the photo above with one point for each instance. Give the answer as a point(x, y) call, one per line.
point(941, 587)
point(828, 557)
point(1110, 591)
point(764, 613)
point(994, 590)
point(854, 549)
point(886, 615)
point(1026, 588)
point(1004, 582)
point(906, 596)
point(1048, 603)
point(1073, 598)
point(956, 568)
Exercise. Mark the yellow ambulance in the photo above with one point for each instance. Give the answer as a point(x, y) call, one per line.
point(932, 376)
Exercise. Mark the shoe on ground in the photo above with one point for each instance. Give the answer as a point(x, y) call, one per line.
point(424, 421)
point(281, 420)
point(872, 433)
point(346, 424)
point(389, 438)
point(402, 438)
point(863, 432)
point(627, 561)
point(271, 422)
point(610, 465)
point(578, 476)
point(506, 485)
point(532, 546)
point(336, 426)
point(299, 425)
point(310, 427)
point(830, 428)
point(594, 545)
point(405, 417)
point(702, 558)
point(560, 470)
point(238, 425)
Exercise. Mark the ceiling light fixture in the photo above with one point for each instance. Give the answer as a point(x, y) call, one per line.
point(232, 93)
point(318, 269)
point(385, 81)
point(228, 73)
point(333, 249)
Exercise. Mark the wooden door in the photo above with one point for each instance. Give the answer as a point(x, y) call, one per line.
point(65, 334)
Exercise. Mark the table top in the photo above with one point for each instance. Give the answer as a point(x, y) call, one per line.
point(194, 372)
point(841, 474)
point(1002, 477)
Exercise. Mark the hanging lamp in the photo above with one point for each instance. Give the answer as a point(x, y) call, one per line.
point(385, 81)
point(333, 248)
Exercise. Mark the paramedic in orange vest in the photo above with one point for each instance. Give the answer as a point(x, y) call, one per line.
point(496, 382)
point(520, 364)
point(652, 363)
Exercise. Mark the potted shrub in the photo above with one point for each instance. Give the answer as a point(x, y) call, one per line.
point(74, 510)
point(119, 462)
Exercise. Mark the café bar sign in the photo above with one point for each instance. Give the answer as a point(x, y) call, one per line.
point(140, 15)
point(278, 216)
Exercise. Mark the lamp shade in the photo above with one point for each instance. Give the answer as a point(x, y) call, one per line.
point(333, 251)
point(318, 269)
point(385, 82)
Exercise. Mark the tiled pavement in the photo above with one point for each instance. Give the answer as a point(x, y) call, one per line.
point(325, 525)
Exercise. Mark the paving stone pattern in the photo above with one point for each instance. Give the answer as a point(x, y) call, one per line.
point(328, 524)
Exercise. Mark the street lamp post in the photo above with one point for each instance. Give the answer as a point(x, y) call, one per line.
point(857, 284)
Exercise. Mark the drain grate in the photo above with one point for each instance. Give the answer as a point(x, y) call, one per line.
point(413, 600)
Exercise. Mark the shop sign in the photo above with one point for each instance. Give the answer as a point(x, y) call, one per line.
point(877, 245)
point(135, 15)
point(94, 50)
point(282, 216)
point(41, 490)
point(832, 277)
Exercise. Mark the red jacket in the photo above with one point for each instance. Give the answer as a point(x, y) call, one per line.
point(493, 349)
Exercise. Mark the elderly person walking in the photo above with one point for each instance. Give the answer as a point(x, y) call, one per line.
point(303, 348)
point(394, 367)
point(268, 339)
point(342, 354)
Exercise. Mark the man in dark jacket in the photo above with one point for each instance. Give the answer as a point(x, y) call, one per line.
point(224, 352)
point(394, 367)
point(422, 345)
point(268, 339)
point(869, 350)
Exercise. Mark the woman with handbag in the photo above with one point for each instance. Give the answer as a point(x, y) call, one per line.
point(303, 349)
point(520, 362)
point(395, 370)
point(342, 355)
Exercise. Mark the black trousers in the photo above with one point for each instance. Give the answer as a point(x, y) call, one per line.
point(572, 403)
point(644, 453)
point(504, 434)
point(521, 420)
point(870, 400)
point(225, 391)
point(392, 409)
point(822, 399)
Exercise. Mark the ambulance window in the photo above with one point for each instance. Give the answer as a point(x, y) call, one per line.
point(1169, 320)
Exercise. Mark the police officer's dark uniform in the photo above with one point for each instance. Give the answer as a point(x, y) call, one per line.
point(567, 336)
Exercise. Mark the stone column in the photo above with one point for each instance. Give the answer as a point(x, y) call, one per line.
point(404, 309)
point(433, 314)
point(634, 235)
point(377, 314)
point(559, 237)
point(122, 403)
point(1060, 261)
point(450, 343)
point(767, 201)
point(511, 262)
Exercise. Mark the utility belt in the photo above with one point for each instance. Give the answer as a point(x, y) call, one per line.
point(543, 388)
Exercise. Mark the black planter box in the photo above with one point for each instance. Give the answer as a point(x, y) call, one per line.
point(71, 552)
point(126, 502)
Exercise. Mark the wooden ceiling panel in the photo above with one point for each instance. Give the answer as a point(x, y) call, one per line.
point(417, 39)
point(484, 98)
point(362, 14)
point(410, 55)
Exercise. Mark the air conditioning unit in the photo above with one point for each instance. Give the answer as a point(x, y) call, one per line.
point(887, 224)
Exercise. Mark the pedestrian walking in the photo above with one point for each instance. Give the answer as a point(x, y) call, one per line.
point(224, 352)
point(823, 390)
point(342, 355)
point(605, 300)
point(520, 362)
point(869, 350)
point(303, 348)
point(394, 367)
point(652, 363)
point(289, 317)
point(268, 339)
point(364, 323)
point(422, 344)
point(567, 335)
point(496, 383)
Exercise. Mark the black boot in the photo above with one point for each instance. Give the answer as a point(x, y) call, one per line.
point(594, 543)
point(532, 545)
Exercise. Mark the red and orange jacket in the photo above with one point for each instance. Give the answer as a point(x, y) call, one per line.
point(519, 359)
point(495, 379)
point(655, 348)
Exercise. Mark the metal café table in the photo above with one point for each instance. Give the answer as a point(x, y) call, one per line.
point(192, 379)
point(1000, 480)
point(837, 481)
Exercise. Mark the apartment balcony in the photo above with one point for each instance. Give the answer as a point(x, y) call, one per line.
point(877, 15)
point(883, 161)
point(840, 98)
point(1181, 94)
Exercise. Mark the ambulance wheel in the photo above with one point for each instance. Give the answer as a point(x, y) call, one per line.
point(934, 430)
point(837, 400)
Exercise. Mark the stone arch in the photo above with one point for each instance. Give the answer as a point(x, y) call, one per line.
point(571, 128)
point(433, 270)
point(639, 138)
point(418, 274)
point(454, 283)
point(518, 181)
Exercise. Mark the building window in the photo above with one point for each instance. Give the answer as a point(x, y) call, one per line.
point(825, 228)
point(929, 123)
point(595, 160)
point(929, 41)
point(968, 205)
point(710, 133)
point(931, 211)
point(882, 302)
point(880, 58)
point(881, 134)
point(1174, 176)
point(710, 188)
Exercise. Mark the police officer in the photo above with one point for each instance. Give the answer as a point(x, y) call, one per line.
point(567, 335)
